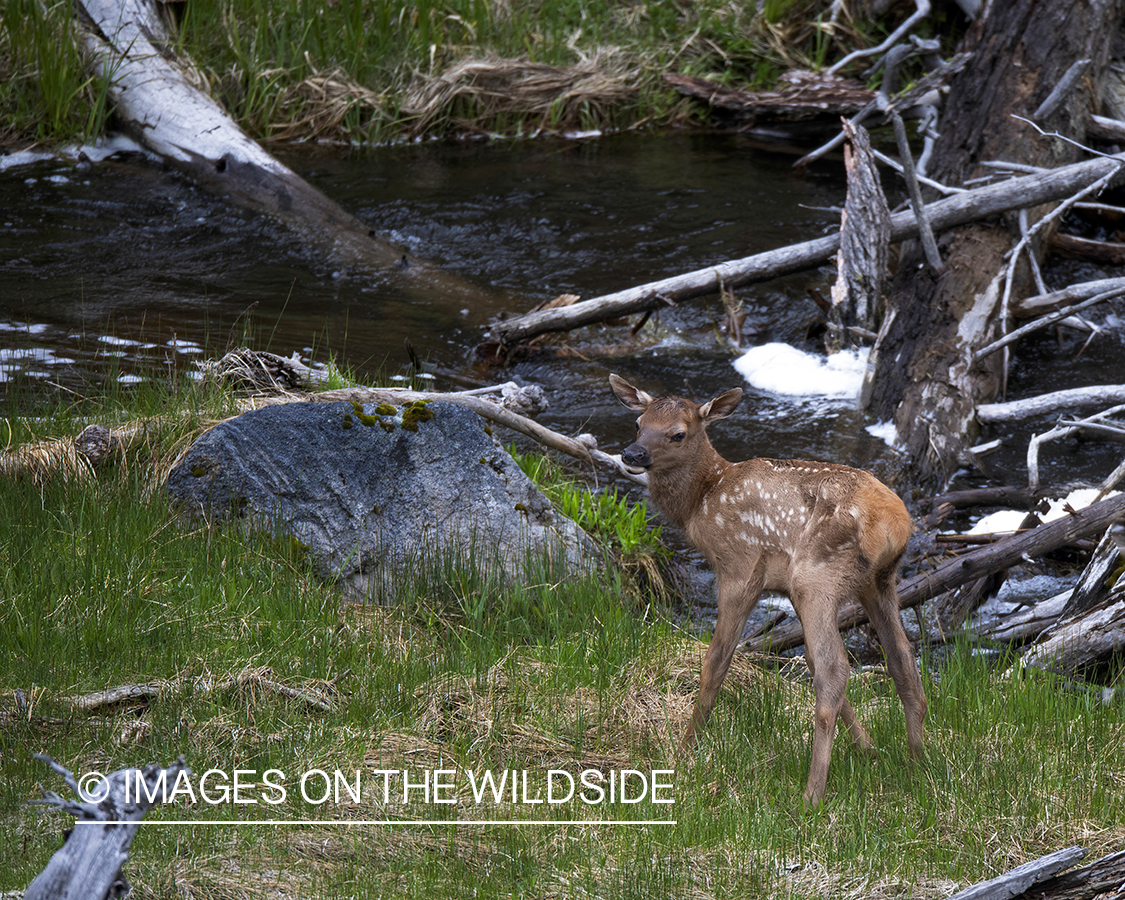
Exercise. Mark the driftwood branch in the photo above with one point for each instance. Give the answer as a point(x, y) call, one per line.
point(583, 448)
point(922, 9)
point(1062, 430)
point(1014, 410)
point(1042, 304)
point(1016, 193)
point(89, 864)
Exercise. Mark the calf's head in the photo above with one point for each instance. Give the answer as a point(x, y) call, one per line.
point(671, 431)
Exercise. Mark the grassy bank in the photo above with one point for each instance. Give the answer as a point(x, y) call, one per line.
point(261, 668)
point(377, 70)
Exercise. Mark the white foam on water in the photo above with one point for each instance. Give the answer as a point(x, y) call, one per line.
point(782, 369)
point(884, 431)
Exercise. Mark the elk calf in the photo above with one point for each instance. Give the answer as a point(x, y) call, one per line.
point(818, 532)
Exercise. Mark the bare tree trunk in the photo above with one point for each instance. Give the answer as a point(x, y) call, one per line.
point(926, 379)
point(152, 91)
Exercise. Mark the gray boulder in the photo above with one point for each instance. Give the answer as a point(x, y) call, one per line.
point(372, 489)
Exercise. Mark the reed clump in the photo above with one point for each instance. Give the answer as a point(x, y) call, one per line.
point(377, 70)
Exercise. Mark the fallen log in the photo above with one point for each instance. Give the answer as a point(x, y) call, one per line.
point(1014, 410)
point(583, 448)
point(1024, 624)
point(926, 379)
point(960, 209)
point(806, 95)
point(1104, 878)
point(89, 863)
point(1021, 878)
point(963, 569)
point(150, 87)
point(1075, 642)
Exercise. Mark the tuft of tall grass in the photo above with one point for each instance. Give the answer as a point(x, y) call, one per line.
point(46, 92)
point(354, 72)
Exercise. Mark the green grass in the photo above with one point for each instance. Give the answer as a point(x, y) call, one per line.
point(345, 71)
point(101, 585)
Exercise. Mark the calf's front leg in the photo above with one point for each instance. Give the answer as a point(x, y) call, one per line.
point(736, 599)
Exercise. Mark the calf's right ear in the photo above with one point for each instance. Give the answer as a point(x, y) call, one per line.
point(632, 397)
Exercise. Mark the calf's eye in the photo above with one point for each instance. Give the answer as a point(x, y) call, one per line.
point(678, 437)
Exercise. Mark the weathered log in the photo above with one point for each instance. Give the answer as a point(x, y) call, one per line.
point(960, 209)
point(926, 379)
point(150, 88)
point(1022, 877)
point(1104, 878)
point(805, 96)
point(861, 264)
point(1077, 641)
point(966, 568)
point(1020, 625)
point(89, 864)
point(1014, 410)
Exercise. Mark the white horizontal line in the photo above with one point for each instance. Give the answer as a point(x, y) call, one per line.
point(243, 822)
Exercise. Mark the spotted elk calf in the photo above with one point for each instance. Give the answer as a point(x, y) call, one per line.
point(819, 532)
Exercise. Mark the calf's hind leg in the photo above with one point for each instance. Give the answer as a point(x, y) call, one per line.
point(829, 666)
point(881, 604)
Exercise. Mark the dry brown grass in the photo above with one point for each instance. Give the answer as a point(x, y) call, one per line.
point(473, 92)
point(317, 107)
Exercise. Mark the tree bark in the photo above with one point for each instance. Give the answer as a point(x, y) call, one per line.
point(926, 379)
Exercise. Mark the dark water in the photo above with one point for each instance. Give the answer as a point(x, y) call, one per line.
point(118, 268)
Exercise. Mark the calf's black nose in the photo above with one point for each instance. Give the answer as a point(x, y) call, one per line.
point(636, 455)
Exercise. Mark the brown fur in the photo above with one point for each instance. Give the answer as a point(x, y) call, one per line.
point(819, 532)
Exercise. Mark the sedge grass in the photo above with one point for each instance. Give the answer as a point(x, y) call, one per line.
point(376, 70)
point(102, 586)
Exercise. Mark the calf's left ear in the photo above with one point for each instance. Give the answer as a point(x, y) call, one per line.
point(722, 406)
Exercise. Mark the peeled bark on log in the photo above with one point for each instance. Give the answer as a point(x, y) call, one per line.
point(153, 96)
point(926, 379)
point(861, 264)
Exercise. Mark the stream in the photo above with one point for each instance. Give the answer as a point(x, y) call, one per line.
point(118, 269)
